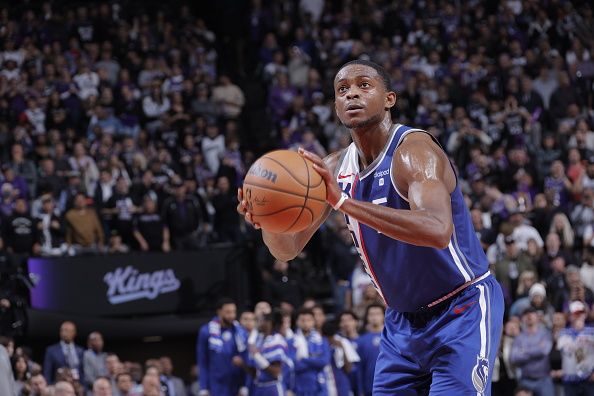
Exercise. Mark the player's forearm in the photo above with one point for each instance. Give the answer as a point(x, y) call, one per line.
point(417, 227)
point(282, 246)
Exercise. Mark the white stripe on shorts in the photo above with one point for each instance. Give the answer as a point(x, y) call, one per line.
point(483, 324)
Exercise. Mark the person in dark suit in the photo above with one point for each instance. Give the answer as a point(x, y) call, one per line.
point(64, 354)
point(179, 388)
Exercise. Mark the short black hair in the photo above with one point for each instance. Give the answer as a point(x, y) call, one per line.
point(350, 313)
point(224, 301)
point(304, 311)
point(377, 67)
point(276, 318)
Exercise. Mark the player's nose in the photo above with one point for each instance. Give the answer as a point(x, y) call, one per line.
point(353, 93)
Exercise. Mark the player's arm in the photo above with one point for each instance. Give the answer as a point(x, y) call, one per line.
point(286, 247)
point(421, 170)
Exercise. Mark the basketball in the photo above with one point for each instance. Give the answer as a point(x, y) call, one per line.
point(284, 193)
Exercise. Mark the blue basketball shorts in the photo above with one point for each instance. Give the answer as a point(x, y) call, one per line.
point(446, 350)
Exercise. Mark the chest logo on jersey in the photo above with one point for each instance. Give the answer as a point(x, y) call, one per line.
point(343, 176)
point(383, 173)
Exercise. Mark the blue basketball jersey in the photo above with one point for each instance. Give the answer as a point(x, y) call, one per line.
point(408, 277)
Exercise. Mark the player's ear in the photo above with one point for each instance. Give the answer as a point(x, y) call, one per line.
point(390, 100)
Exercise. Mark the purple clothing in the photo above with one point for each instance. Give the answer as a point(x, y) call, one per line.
point(280, 100)
point(530, 353)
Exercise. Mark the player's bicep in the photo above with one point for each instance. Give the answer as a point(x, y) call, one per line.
point(432, 196)
point(424, 174)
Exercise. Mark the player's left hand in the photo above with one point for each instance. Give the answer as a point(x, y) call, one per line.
point(333, 192)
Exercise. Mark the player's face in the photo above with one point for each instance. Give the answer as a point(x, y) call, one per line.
point(361, 98)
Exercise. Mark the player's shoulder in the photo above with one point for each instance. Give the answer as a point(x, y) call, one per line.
point(418, 141)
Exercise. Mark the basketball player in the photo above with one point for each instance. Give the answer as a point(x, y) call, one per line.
point(403, 205)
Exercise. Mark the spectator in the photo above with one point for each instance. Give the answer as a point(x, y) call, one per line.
point(561, 226)
point(121, 209)
point(226, 222)
point(86, 166)
point(101, 387)
point(587, 269)
point(38, 385)
point(83, 229)
point(537, 299)
point(218, 342)
point(13, 185)
point(576, 344)
point(311, 355)
point(21, 372)
point(523, 232)
point(19, 231)
point(124, 384)
point(552, 250)
point(151, 386)
point(6, 375)
point(504, 377)
point(229, 97)
point(94, 365)
point(582, 214)
point(149, 231)
point(343, 358)
point(283, 283)
point(50, 229)
point(530, 354)
point(24, 167)
point(155, 106)
point(368, 346)
point(173, 382)
point(184, 219)
point(509, 268)
point(64, 354)
point(64, 388)
point(213, 146)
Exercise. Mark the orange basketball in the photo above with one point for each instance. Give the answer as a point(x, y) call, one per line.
point(283, 192)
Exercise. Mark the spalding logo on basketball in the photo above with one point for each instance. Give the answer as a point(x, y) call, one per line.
point(284, 193)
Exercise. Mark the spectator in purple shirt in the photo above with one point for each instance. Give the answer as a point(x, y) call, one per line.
point(530, 354)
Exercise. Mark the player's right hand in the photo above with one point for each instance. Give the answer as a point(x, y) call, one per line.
point(242, 209)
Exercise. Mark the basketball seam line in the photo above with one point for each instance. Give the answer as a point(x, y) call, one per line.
point(283, 209)
point(283, 191)
point(291, 174)
point(305, 200)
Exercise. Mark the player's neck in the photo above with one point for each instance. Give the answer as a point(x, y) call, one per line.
point(370, 140)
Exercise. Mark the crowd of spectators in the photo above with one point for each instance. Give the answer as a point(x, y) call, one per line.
point(129, 127)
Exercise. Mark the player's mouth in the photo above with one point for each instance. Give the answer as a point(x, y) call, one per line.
point(353, 108)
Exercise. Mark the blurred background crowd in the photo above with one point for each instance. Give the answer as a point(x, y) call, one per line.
point(128, 126)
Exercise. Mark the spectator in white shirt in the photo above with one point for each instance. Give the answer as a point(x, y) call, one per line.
point(87, 82)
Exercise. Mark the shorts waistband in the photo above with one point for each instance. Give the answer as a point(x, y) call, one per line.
point(458, 290)
point(423, 314)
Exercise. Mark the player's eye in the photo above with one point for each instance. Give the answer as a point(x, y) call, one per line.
point(365, 85)
point(342, 88)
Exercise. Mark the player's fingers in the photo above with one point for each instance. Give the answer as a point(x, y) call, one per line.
point(323, 171)
point(249, 218)
point(239, 194)
point(310, 156)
